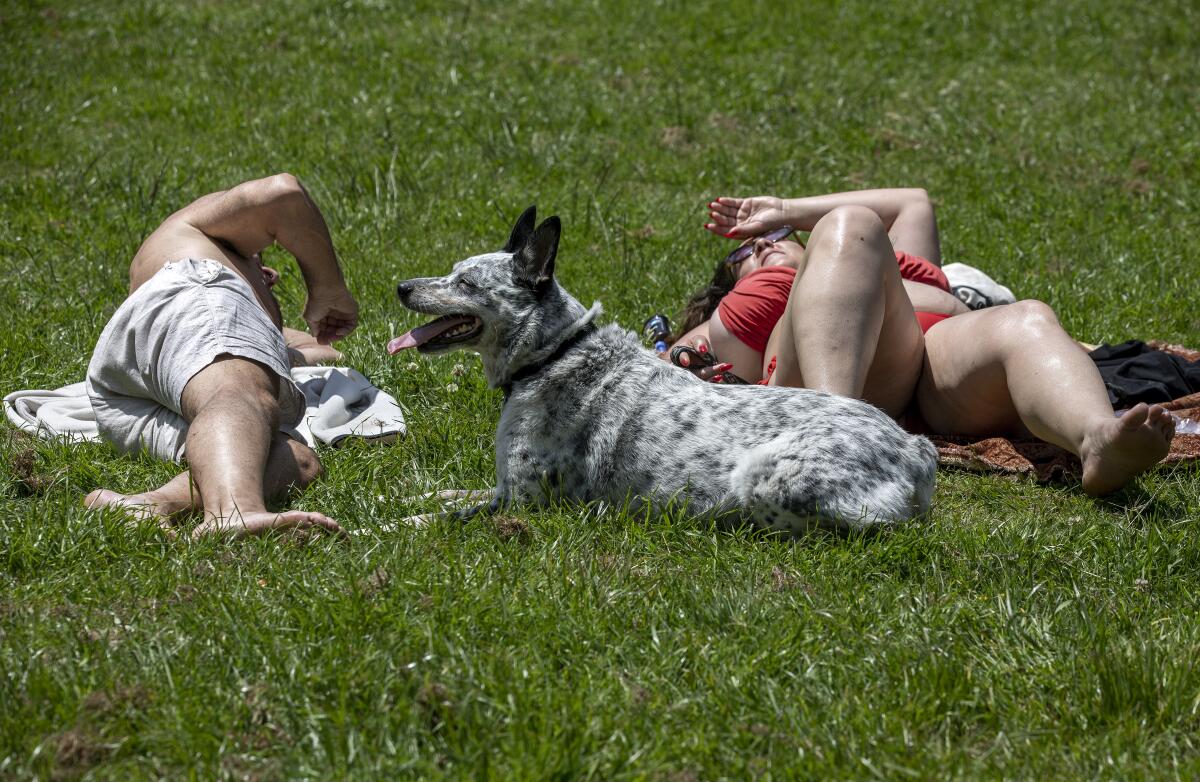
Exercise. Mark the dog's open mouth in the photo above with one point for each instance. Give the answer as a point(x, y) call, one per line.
point(442, 333)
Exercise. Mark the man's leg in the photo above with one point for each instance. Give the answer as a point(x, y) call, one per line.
point(310, 350)
point(1012, 369)
point(158, 505)
point(233, 416)
point(849, 327)
point(290, 465)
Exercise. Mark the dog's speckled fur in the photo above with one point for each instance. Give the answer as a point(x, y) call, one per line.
point(606, 420)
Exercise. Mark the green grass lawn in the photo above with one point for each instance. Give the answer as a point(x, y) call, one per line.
point(1020, 631)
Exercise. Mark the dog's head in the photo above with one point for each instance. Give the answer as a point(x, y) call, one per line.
point(504, 305)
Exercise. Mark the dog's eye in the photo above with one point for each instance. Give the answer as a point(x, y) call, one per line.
point(468, 284)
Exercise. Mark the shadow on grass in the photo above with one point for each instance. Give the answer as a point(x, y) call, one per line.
point(1144, 508)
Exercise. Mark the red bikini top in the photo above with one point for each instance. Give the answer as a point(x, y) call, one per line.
point(756, 303)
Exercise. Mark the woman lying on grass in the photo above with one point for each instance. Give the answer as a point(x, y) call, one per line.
point(864, 311)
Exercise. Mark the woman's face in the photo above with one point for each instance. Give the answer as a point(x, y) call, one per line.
point(785, 252)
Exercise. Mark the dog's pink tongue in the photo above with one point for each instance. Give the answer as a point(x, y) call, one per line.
point(401, 342)
point(422, 334)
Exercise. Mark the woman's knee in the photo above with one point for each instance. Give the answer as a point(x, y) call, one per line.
point(1027, 319)
point(853, 237)
point(850, 244)
point(1012, 329)
point(847, 221)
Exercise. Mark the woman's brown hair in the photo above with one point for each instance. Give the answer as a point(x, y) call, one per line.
point(703, 302)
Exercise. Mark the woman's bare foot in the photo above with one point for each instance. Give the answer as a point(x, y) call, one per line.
point(1120, 448)
point(139, 507)
point(240, 525)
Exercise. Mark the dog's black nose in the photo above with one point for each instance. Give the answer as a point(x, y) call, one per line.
point(405, 288)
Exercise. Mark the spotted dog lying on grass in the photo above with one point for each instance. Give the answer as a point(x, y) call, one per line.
point(589, 414)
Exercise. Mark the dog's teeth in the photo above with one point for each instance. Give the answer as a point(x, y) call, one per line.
point(457, 331)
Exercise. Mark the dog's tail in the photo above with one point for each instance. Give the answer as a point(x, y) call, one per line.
point(924, 474)
point(787, 485)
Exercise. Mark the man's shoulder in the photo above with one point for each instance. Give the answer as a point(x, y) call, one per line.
point(172, 240)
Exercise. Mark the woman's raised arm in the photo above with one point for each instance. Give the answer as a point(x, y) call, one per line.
point(907, 213)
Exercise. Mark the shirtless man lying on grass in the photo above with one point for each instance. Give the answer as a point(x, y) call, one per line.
point(195, 361)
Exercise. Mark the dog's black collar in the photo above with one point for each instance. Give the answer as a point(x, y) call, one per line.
point(529, 370)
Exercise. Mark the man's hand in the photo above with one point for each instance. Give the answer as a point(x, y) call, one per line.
point(741, 218)
point(330, 314)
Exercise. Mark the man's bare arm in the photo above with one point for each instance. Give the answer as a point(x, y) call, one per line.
point(247, 219)
point(275, 210)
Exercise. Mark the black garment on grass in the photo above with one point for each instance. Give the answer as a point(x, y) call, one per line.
point(1134, 372)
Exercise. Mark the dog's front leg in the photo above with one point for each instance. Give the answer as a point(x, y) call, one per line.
point(449, 498)
point(452, 497)
point(457, 497)
point(496, 504)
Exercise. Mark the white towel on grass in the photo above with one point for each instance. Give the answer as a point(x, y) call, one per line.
point(340, 404)
point(64, 412)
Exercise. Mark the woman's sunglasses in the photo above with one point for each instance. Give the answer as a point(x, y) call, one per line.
point(746, 250)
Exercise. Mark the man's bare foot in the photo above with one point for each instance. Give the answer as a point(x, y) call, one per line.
point(240, 525)
point(139, 507)
point(1120, 448)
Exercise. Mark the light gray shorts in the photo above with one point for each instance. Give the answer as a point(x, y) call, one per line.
point(174, 325)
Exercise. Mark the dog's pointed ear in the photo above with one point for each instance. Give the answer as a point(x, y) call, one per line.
point(534, 261)
point(522, 230)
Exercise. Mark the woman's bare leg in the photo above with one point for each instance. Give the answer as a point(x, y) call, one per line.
point(1012, 369)
point(849, 328)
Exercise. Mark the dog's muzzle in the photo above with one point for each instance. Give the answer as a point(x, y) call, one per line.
point(443, 333)
point(405, 289)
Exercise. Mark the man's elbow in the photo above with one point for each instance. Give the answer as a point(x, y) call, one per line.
point(276, 196)
point(282, 187)
point(270, 192)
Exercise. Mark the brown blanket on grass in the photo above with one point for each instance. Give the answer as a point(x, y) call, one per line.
point(1045, 462)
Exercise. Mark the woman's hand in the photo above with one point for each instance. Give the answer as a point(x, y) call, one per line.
point(694, 355)
point(741, 218)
